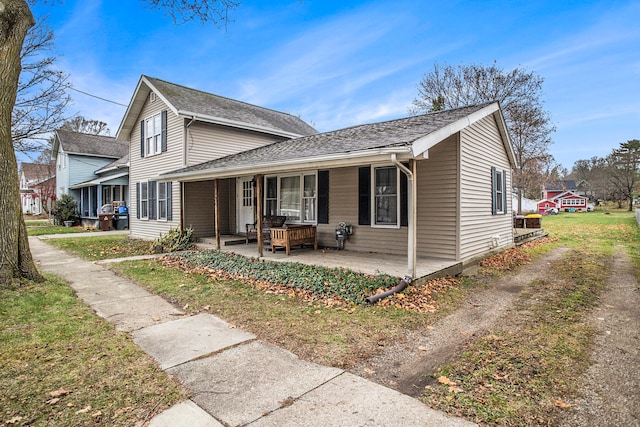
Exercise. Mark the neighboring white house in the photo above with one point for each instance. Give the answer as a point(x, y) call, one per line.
point(37, 186)
point(429, 186)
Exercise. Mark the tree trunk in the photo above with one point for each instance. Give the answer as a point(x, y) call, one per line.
point(16, 262)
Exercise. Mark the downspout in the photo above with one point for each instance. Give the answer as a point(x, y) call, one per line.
point(411, 234)
point(401, 286)
point(186, 140)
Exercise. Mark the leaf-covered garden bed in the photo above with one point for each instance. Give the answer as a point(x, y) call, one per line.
point(332, 286)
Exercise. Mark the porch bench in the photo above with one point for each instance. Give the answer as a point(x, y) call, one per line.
point(293, 235)
point(268, 222)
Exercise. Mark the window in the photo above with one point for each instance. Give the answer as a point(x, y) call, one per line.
point(385, 196)
point(144, 200)
point(271, 196)
point(153, 135)
point(164, 201)
point(309, 199)
point(498, 191)
point(294, 196)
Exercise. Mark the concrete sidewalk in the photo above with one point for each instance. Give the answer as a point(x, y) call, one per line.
point(235, 379)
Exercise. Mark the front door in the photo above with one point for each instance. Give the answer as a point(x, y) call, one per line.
point(245, 203)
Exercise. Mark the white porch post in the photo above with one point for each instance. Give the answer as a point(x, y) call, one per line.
point(411, 213)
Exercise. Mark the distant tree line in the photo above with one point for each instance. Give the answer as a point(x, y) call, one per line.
point(615, 177)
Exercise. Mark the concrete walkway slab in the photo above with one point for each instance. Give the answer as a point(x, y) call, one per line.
point(184, 413)
point(177, 342)
point(243, 383)
point(349, 400)
point(128, 306)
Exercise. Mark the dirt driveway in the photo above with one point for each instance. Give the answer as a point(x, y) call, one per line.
point(610, 390)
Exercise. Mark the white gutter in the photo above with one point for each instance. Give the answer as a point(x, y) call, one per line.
point(332, 160)
point(411, 208)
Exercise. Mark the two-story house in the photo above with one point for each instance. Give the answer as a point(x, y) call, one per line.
point(37, 187)
point(429, 186)
point(93, 169)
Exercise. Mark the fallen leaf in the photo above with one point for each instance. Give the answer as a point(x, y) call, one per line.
point(455, 389)
point(14, 420)
point(59, 392)
point(53, 401)
point(369, 371)
point(83, 410)
point(561, 403)
point(445, 380)
point(423, 348)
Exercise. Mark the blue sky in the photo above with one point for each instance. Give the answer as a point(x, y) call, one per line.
point(338, 63)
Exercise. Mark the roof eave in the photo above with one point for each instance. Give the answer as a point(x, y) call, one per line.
point(135, 106)
point(237, 124)
point(333, 160)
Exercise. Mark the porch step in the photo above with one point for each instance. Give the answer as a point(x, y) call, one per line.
point(227, 241)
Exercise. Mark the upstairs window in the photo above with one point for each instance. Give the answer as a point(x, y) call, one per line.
point(153, 135)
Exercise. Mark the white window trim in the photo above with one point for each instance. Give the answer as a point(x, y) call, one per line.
point(499, 191)
point(278, 199)
point(153, 141)
point(166, 214)
point(374, 224)
point(146, 199)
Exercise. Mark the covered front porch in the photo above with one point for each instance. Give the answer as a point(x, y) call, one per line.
point(368, 263)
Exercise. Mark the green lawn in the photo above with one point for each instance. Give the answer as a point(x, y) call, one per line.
point(43, 229)
point(103, 246)
point(62, 365)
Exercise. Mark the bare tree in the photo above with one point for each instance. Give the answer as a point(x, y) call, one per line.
point(80, 124)
point(16, 262)
point(625, 170)
point(183, 11)
point(519, 93)
point(41, 97)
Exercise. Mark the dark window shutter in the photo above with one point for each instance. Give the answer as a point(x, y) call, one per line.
point(169, 201)
point(404, 199)
point(153, 190)
point(163, 135)
point(138, 200)
point(504, 191)
point(364, 195)
point(323, 197)
point(494, 179)
point(142, 138)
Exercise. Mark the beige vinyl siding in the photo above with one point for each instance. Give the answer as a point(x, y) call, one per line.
point(208, 142)
point(343, 206)
point(200, 208)
point(437, 204)
point(481, 147)
point(148, 168)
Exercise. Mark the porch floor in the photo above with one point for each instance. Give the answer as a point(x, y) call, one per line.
point(369, 263)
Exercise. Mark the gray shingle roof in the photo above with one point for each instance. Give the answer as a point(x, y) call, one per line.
point(185, 99)
point(121, 163)
point(92, 145)
point(394, 133)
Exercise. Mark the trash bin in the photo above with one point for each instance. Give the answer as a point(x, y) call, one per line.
point(121, 221)
point(533, 221)
point(518, 221)
point(106, 221)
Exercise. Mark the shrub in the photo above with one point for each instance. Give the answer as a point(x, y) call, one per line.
point(174, 240)
point(66, 209)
